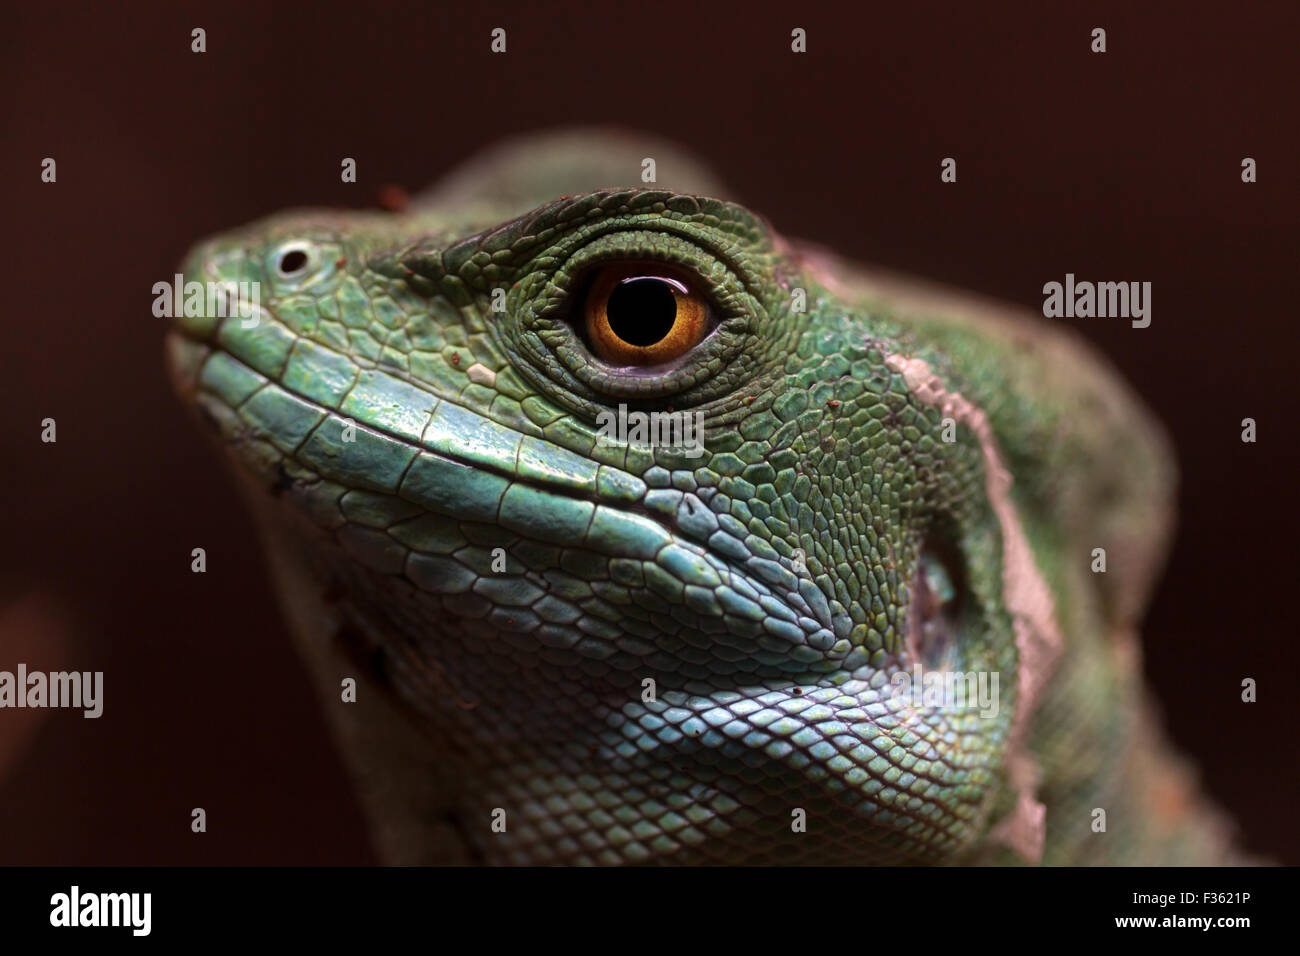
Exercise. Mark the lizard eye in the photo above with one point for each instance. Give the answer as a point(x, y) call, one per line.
point(935, 609)
point(644, 314)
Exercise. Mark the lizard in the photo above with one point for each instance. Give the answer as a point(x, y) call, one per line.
point(565, 646)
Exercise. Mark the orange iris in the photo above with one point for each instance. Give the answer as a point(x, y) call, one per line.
point(643, 314)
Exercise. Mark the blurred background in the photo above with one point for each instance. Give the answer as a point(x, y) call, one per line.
point(1122, 166)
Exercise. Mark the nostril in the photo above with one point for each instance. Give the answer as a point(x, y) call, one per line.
point(292, 262)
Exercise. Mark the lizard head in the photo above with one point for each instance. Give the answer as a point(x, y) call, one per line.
point(655, 529)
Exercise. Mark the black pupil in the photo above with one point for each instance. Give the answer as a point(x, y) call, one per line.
point(641, 311)
point(293, 261)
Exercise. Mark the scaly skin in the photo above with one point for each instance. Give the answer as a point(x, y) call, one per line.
point(518, 692)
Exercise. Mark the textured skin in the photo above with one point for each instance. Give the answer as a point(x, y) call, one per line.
point(521, 690)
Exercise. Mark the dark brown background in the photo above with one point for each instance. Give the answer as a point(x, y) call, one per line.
point(1117, 166)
